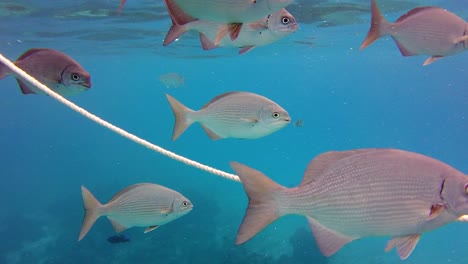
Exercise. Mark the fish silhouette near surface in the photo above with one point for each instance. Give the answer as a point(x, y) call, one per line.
point(259, 33)
point(231, 115)
point(52, 68)
point(233, 13)
point(426, 30)
point(347, 195)
point(144, 204)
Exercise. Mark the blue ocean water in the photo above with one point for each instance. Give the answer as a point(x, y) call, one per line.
point(347, 98)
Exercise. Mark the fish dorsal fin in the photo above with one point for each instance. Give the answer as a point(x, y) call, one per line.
point(414, 11)
point(210, 133)
point(118, 227)
point(328, 241)
point(30, 52)
point(404, 244)
point(150, 228)
point(217, 98)
point(129, 188)
point(321, 163)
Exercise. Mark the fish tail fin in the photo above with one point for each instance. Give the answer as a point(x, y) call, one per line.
point(262, 209)
point(179, 19)
point(92, 211)
point(182, 122)
point(379, 26)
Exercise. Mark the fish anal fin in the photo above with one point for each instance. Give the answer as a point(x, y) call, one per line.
point(206, 43)
point(328, 240)
point(245, 49)
point(211, 133)
point(24, 88)
point(150, 228)
point(404, 244)
point(118, 227)
point(431, 60)
point(403, 50)
point(321, 163)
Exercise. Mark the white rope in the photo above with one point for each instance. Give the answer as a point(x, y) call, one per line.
point(26, 77)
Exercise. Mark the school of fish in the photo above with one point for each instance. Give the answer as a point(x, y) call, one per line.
point(345, 195)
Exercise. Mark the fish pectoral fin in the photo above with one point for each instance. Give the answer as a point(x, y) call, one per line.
point(252, 120)
point(463, 218)
point(461, 39)
point(150, 228)
point(436, 210)
point(245, 49)
point(328, 241)
point(210, 133)
point(118, 227)
point(432, 59)
point(404, 244)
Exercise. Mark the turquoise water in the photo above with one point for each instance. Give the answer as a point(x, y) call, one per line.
point(347, 98)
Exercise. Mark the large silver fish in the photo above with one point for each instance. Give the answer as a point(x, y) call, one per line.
point(144, 204)
point(348, 195)
point(259, 33)
point(232, 115)
point(424, 30)
point(233, 12)
point(54, 69)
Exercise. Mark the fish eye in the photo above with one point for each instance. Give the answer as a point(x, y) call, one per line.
point(285, 20)
point(275, 115)
point(184, 203)
point(75, 77)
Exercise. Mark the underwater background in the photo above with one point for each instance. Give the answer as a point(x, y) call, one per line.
point(347, 99)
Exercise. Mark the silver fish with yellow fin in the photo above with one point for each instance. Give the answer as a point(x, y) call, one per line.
point(144, 204)
point(424, 30)
point(347, 195)
point(52, 68)
point(232, 115)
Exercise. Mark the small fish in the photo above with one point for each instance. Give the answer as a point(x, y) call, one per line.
point(259, 33)
point(299, 123)
point(118, 239)
point(54, 69)
point(172, 80)
point(144, 204)
point(232, 115)
point(231, 12)
point(426, 30)
point(347, 195)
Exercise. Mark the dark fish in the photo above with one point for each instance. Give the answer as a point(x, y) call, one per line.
point(424, 30)
point(118, 239)
point(54, 69)
point(347, 195)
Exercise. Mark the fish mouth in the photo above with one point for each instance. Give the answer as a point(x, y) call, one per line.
point(87, 85)
point(287, 120)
